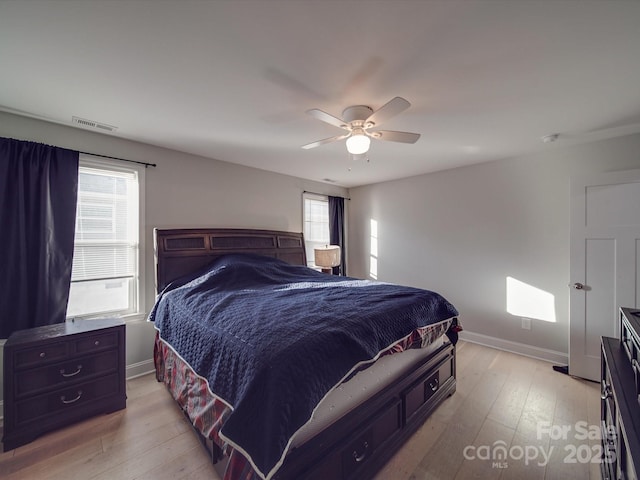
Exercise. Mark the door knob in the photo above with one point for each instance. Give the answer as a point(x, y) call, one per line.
point(578, 286)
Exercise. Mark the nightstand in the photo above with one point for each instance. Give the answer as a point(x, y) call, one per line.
point(59, 374)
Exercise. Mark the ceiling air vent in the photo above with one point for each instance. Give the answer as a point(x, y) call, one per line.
point(83, 122)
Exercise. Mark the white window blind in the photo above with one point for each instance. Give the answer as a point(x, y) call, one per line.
point(105, 258)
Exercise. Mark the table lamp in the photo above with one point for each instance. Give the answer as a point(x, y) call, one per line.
point(327, 257)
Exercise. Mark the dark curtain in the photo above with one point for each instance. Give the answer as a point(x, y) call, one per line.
point(336, 231)
point(38, 194)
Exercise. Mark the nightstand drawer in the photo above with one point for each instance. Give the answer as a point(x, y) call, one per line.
point(60, 374)
point(95, 342)
point(41, 355)
point(66, 399)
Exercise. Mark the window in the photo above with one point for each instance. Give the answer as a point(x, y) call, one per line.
point(373, 249)
point(316, 224)
point(106, 273)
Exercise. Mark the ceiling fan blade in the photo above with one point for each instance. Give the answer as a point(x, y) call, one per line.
point(326, 140)
point(325, 117)
point(402, 137)
point(388, 110)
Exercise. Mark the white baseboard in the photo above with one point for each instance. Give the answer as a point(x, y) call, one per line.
point(552, 356)
point(141, 368)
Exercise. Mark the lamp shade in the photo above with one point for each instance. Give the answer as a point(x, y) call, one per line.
point(327, 256)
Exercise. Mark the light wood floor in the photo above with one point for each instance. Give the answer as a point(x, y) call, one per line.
point(500, 397)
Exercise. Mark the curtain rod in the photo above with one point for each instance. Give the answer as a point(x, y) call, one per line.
point(146, 165)
point(325, 194)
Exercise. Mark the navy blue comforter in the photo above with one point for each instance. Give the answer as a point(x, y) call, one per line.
point(272, 339)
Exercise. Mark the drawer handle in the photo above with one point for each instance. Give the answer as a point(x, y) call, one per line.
point(66, 375)
point(65, 401)
point(96, 343)
point(434, 384)
point(42, 354)
point(359, 457)
point(606, 390)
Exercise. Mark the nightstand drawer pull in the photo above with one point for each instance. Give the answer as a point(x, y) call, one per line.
point(63, 398)
point(66, 375)
point(96, 343)
point(42, 354)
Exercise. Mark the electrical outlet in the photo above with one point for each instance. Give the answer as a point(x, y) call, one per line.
point(526, 323)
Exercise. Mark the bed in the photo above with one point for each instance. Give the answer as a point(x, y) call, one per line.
point(268, 397)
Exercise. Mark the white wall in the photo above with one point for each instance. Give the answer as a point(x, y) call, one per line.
point(461, 232)
point(183, 191)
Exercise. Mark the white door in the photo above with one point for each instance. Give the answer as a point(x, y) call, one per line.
point(604, 263)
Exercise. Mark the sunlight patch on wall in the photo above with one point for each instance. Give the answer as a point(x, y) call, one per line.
point(373, 250)
point(524, 300)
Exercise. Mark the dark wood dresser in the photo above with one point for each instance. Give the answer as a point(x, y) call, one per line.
point(58, 374)
point(620, 407)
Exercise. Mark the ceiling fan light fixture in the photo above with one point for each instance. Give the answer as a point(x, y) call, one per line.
point(358, 143)
point(358, 120)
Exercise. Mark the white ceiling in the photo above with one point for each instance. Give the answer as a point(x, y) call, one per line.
point(231, 80)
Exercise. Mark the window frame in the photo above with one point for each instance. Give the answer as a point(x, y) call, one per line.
point(138, 291)
point(310, 244)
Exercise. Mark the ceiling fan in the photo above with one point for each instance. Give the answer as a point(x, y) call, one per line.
point(359, 120)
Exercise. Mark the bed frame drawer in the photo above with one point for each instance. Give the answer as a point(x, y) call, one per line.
point(418, 395)
point(366, 444)
point(357, 452)
point(360, 448)
point(369, 439)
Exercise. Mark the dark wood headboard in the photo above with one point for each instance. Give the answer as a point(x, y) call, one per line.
point(182, 251)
